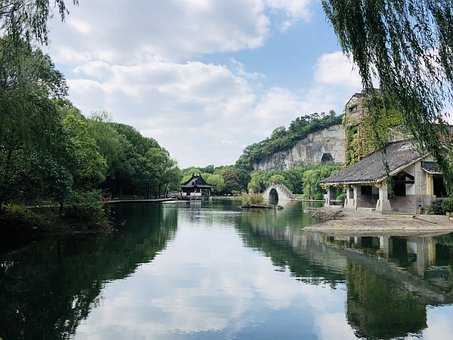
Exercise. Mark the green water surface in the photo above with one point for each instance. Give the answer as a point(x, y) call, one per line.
point(211, 271)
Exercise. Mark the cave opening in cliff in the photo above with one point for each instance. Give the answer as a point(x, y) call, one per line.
point(326, 158)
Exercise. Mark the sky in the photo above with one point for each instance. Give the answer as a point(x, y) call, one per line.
point(205, 78)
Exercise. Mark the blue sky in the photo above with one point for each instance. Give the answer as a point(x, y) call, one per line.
point(203, 77)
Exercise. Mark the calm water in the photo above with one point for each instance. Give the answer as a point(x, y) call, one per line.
point(210, 271)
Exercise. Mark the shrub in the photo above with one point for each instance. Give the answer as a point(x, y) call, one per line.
point(86, 207)
point(21, 216)
point(341, 197)
point(248, 199)
point(436, 208)
point(447, 204)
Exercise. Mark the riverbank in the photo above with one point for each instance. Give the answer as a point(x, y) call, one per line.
point(18, 221)
point(150, 200)
point(347, 222)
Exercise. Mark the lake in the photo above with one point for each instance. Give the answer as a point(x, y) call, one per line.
point(207, 270)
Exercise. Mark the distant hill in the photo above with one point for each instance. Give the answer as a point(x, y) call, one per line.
point(320, 134)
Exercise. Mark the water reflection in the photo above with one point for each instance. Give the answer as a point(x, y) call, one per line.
point(207, 270)
point(390, 280)
point(48, 288)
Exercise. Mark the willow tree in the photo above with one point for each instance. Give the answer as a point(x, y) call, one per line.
point(406, 48)
point(27, 19)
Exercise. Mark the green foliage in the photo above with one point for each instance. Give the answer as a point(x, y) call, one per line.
point(312, 179)
point(90, 166)
point(372, 132)
point(447, 204)
point(436, 208)
point(406, 47)
point(294, 179)
point(226, 179)
point(50, 152)
point(19, 214)
point(32, 137)
point(282, 139)
point(253, 198)
point(216, 181)
point(25, 19)
point(86, 207)
point(341, 197)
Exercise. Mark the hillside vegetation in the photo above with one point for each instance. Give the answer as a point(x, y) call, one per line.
point(284, 139)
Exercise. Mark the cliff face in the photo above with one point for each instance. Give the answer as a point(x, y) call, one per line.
point(328, 145)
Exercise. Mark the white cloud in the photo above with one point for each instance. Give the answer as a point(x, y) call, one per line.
point(140, 63)
point(126, 33)
point(80, 25)
point(336, 69)
point(173, 29)
point(195, 109)
point(293, 10)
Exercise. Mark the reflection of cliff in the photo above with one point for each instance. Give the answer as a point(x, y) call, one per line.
point(384, 299)
point(63, 278)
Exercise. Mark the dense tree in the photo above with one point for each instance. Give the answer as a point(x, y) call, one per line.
point(90, 166)
point(31, 131)
point(303, 179)
point(216, 181)
point(312, 179)
point(406, 48)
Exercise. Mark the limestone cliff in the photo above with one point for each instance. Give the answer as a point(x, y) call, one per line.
point(327, 145)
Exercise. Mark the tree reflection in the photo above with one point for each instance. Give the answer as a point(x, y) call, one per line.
point(390, 280)
point(381, 309)
point(47, 289)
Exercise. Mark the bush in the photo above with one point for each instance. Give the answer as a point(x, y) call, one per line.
point(436, 208)
point(447, 204)
point(249, 199)
point(19, 215)
point(86, 207)
point(341, 197)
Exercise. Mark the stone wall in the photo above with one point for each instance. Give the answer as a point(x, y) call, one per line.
point(313, 149)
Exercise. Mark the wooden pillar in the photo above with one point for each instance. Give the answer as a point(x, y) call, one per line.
point(429, 185)
point(327, 198)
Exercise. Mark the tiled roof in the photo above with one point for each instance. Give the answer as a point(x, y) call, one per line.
point(372, 167)
point(196, 181)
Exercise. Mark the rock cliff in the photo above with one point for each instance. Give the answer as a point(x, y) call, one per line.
point(327, 145)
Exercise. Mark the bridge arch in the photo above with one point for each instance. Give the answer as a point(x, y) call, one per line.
point(273, 196)
point(278, 194)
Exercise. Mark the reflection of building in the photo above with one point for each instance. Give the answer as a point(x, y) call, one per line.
point(390, 280)
point(381, 309)
point(196, 188)
point(414, 177)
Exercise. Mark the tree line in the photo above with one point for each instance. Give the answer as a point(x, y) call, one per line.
point(225, 180)
point(50, 152)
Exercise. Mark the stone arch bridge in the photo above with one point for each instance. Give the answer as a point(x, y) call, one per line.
point(278, 194)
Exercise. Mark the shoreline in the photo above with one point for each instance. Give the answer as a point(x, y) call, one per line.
point(349, 222)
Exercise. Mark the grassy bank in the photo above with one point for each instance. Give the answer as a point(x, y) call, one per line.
point(17, 220)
